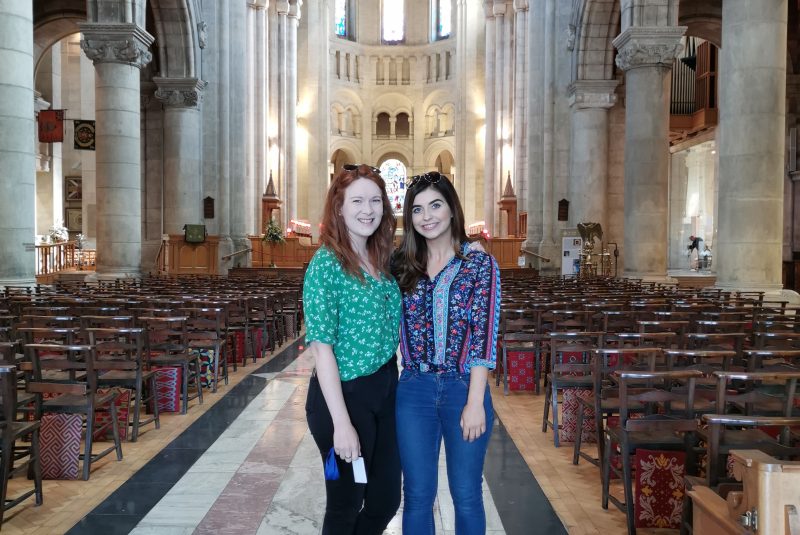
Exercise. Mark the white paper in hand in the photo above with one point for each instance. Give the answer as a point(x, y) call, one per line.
point(359, 472)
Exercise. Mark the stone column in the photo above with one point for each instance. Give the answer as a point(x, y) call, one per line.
point(17, 151)
point(752, 104)
point(183, 187)
point(590, 101)
point(282, 7)
point(534, 128)
point(118, 51)
point(520, 100)
point(646, 55)
point(291, 110)
point(490, 147)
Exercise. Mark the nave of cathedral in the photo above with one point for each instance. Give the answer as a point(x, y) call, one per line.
point(629, 161)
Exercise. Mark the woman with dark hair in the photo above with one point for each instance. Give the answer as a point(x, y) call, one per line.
point(352, 308)
point(451, 308)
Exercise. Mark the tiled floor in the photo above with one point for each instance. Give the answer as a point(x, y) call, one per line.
point(244, 463)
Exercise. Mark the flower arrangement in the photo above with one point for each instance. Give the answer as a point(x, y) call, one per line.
point(58, 232)
point(80, 241)
point(273, 233)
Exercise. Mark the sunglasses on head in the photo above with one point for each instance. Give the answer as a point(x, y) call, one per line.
point(355, 166)
point(432, 177)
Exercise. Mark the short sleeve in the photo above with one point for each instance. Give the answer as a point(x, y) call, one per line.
point(320, 299)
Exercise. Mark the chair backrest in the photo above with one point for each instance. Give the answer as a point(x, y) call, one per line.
point(106, 322)
point(165, 334)
point(61, 358)
point(772, 359)
point(570, 351)
point(117, 349)
point(61, 335)
point(655, 389)
point(780, 340)
point(759, 388)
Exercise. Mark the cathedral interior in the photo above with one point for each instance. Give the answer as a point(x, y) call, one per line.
point(630, 164)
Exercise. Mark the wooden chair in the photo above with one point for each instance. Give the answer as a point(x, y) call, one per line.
point(74, 396)
point(604, 401)
point(762, 408)
point(120, 363)
point(167, 344)
point(205, 332)
point(19, 444)
point(520, 335)
point(653, 431)
point(567, 371)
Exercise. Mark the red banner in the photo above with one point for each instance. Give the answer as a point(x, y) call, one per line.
point(51, 126)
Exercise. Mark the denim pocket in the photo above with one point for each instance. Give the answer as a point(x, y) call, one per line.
point(406, 375)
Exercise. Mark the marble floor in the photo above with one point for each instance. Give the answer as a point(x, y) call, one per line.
point(248, 465)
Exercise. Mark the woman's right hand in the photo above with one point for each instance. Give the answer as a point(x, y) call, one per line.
point(345, 442)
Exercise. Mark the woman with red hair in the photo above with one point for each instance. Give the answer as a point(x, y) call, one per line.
point(351, 304)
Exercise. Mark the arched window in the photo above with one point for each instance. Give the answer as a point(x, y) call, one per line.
point(393, 21)
point(343, 19)
point(402, 127)
point(394, 174)
point(442, 19)
point(382, 127)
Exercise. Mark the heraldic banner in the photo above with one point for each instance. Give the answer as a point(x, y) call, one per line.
point(51, 126)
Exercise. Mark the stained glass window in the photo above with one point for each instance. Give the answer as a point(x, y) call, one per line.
point(393, 23)
point(394, 174)
point(443, 17)
point(340, 17)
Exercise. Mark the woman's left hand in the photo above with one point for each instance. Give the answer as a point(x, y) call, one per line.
point(473, 421)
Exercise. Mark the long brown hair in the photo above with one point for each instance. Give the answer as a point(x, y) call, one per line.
point(334, 235)
point(411, 260)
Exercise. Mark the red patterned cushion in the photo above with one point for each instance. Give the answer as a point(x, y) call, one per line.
point(258, 344)
point(168, 388)
point(521, 370)
point(60, 439)
point(567, 429)
point(236, 347)
point(103, 417)
point(658, 493)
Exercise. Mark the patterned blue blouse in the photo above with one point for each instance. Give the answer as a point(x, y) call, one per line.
point(450, 323)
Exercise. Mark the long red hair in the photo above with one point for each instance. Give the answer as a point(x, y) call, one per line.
point(334, 235)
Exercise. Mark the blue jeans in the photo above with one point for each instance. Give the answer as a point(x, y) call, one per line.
point(429, 409)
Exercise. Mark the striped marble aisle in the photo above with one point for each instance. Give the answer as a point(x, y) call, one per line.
point(264, 476)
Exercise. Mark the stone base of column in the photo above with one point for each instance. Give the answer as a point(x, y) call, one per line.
point(772, 292)
point(646, 277)
point(552, 251)
point(111, 276)
point(18, 282)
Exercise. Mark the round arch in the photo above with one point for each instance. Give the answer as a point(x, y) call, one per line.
point(594, 21)
point(436, 148)
point(348, 148)
point(393, 150)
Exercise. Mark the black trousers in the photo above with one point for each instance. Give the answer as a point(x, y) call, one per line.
point(355, 508)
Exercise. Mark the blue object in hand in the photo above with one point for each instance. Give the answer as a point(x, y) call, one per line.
point(331, 468)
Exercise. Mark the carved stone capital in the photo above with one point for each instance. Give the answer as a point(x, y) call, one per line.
point(282, 6)
point(653, 46)
point(520, 5)
point(179, 92)
point(116, 43)
point(295, 9)
point(569, 37)
point(499, 8)
point(202, 34)
point(585, 94)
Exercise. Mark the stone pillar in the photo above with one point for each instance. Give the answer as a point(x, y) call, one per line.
point(590, 101)
point(520, 101)
point(282, 7)
point(392, 127)
point(17, 154)
point(291, 110)
point(118, 51)
point(183, 189)
point(752, 104)
point(490, 147)
point(535, 131)
point(646, 55)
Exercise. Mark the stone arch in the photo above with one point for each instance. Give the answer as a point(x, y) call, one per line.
point(444, 163)
point(337, 112)
point(339, 158)
point(435, 149)
point(593, 27)
point(703, 19)
point(352, 120)
point(394, 150)
point(347, 147)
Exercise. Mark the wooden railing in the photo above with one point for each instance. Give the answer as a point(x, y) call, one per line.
point(54, 257)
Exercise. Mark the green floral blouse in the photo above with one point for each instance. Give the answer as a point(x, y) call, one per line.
point(361, 320)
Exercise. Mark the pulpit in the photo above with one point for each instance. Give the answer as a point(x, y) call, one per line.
point(179, 257)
